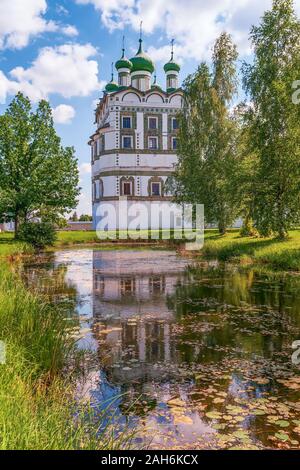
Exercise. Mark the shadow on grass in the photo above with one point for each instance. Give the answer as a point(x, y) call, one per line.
point(225, 248)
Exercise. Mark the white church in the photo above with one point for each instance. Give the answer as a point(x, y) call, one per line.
point(134, 146)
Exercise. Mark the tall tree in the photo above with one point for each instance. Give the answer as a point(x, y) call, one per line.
point(207, 137)
point(37, 174)
point(274, 119)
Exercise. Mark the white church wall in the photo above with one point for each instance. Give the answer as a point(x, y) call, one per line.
point(127, 160)
point(165, 131)
point(110, 215)
point(176, 100)
point(158, 160)
point(130, 98)
point(110, 140)
point(109, 183)
point(155, 98)
point(140, 129)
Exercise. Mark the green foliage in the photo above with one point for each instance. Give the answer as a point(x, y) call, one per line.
point(274, 131)
point(37, 174)
point(37, 234)
point(85, 218)
point(208, 138)
point(74, 217)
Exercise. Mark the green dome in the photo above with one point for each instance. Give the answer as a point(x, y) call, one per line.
point(111, 87)
point(141, 61)
point(123, 63)
point(171, 66)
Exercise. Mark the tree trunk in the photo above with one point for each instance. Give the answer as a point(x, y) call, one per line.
point(282, 233)
point(16, 225)
point(222, 227)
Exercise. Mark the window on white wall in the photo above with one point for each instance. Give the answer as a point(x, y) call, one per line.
point(126, 122)
point(127, 142)
point(153, 143)
point(97, 189)
point(155, 189)
point(127, 188)
point(174, 143)
point(152, 123)
point(174, 123)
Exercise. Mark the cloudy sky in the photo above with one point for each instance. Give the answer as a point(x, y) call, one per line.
point(62, 51)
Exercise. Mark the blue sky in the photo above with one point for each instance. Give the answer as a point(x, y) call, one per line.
point(62, 51)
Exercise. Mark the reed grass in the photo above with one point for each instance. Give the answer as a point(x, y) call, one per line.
point(38, 409)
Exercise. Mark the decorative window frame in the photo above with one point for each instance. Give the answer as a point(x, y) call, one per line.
point(125, 136)
point(156, 179)
point(127, 179)
point(97, 197)
point(174, 138)
point(174, 118)
point(157, 142)
point(131, 122)
point(156, 125)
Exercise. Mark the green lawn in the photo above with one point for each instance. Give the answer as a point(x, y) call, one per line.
point(283, 255)
point(69, 238)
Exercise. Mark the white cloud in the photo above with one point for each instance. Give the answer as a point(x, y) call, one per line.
point(67, 70)
point(85, 169)
point(20, 20)
point(85, 204)
point(194, 24)
point(70, 30)
point(63, 114)
point(4, 87)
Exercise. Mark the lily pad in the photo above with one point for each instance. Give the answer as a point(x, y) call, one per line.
point(282, 436)
point(282, 423)
point(213, 415)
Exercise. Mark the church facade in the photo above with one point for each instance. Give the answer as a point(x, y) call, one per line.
point(133, 150)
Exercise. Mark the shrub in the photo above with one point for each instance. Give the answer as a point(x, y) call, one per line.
point(38, 234)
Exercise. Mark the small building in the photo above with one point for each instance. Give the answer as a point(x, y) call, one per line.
point(79, 226)
point(7, 227)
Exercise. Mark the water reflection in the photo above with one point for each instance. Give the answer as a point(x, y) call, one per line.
point(191, 355)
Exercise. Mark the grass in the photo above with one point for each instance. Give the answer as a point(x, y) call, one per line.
point(37, 382)
point(9, 247)
point(90, 237)
point(284, 255)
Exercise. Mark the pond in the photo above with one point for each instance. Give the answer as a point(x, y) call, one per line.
point(192, 355)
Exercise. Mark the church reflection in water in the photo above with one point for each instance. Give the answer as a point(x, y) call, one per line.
point(132, 318)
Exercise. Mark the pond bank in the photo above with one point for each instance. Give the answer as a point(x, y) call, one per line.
point(280, 255)
point(277, 254)
point(37, 380)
